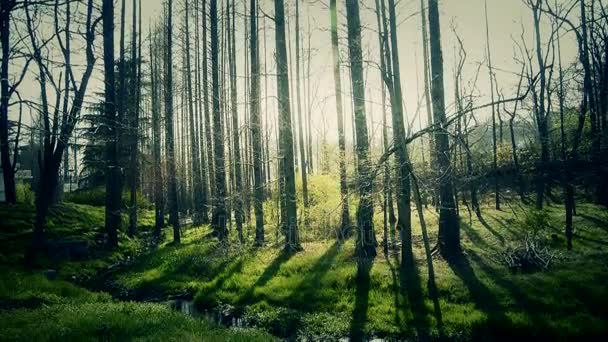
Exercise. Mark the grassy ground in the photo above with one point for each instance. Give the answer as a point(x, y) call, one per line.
point(322, 293)
point(35, 308)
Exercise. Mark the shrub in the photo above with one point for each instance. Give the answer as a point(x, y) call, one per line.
point(25, 194)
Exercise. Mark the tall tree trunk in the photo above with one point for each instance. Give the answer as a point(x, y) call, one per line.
point(204, 216)
point(289, 221)
point(345, 226)
point(156, 132)
point(172, 182)
point(541, 113)
point(206, 111)
point(8, 171)
point(113, 205)
point(567, 177)
point(404, 169)
point(197, 182)
point(366, 241)
point(258, 182)
point(238, 166)
point(449, 227)
point(134, 125)
point(309, 116)
point(218, 220)
point(494, 141)
point(299, 109)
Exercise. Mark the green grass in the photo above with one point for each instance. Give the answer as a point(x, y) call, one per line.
point(113, 321)
point(35, 308)
point(321, 293)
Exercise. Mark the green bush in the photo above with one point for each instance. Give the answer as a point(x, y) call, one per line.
point(97, 197)
point(25, 194)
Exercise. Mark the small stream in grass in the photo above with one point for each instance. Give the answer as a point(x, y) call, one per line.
point(224, 318)
point(228, 317)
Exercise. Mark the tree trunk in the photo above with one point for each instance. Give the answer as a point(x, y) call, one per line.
point(289, 221)
point(345, 225)
point(113, 174)
point(494, 142)
point(258, 181)
point(172, 186)
point(219, 217)
point(404, 169)
point(449, 227)
point(199, 212)
point(236, 150)
point(366, 241)
point(156, 154)
point(8, 172)
point(134, 126)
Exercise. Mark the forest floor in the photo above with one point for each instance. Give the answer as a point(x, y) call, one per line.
point(52, 303)
point(316, 294)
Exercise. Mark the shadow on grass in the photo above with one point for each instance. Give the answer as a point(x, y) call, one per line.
point(481, 295)
point(306, 293)
point(359, 316)
point(410, 282)
point(490, 229)
point(396, 291)
point(267, 275)
point(474, 236)
point(603, 224)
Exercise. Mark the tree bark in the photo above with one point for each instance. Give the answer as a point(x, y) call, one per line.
point(172, 181)
point(366, 240)
point(345, 224)
point(449, 227)
point(289, 223)
point(258, 181)
point(218, 220)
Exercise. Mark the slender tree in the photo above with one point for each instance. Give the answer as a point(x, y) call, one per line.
point(404, 169)
point(302, 147)
point(289, 220)
point(170, 144)
point(112, 214)
point(494, 141)
point(256, 134)
point(366, 240)
point(449, 227)
point(333, 13)
point(236, 149)
point(219, 217)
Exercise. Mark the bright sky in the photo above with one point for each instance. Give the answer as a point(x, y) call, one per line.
point(506, 19)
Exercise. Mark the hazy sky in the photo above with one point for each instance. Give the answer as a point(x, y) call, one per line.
point(506, 19)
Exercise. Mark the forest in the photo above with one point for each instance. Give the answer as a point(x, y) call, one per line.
point(317, 170)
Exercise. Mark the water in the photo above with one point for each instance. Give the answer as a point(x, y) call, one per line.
point(226, 316)
point(221, 316)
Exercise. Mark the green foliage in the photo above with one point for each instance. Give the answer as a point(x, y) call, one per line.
point(97, 197)
point(111, 321)
point(317, 291)
point(25, 195)
point(537, 222)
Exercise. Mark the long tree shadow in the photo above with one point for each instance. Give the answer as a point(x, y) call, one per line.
point(603, 224)
point(359, 315)
point(490, 229)
point(396, 290)
point(410, 282)
point(267, 275)
point(306, 291)
point(483, 298)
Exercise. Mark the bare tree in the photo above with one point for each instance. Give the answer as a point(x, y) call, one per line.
point(449, 227)
point(366, 240)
